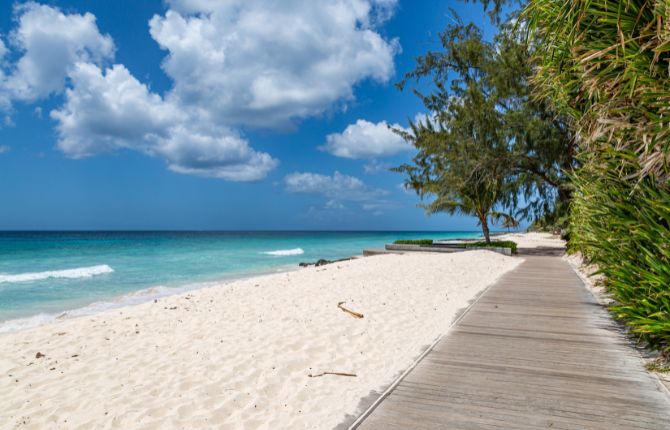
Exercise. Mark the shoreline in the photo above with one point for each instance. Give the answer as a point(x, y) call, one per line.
point(144, 295)
point(132, 298)
point(241, 355)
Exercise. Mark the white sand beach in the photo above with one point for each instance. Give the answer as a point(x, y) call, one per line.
point(239, 355)
point(534, 240)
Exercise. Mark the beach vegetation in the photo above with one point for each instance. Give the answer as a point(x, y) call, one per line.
point(414, 242)
point(488, 149)
point(494, 244)
point(478, 244)
point(562, 119)
point(604, 64)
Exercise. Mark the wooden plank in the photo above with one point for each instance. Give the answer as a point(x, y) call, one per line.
point(536, 351)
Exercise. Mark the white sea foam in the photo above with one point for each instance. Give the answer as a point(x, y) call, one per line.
point(130, 299)
point(25, 323)
point(285, 252)
point(80, 272)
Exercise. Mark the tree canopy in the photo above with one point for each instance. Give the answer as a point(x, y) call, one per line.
point(486, 143)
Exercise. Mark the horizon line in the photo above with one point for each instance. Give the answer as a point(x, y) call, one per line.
point(229, 231)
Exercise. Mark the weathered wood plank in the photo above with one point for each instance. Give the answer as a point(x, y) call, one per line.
point(536, 351)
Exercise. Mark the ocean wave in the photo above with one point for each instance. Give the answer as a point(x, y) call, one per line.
point(285, 252)
point(79, 272)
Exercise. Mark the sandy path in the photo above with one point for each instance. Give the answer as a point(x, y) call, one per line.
point(533, 240)
point(238, 355)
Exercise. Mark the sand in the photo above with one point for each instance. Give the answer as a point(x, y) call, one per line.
point(533, 240)
point(238, 355)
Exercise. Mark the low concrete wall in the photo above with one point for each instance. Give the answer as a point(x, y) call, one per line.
point(428, 248)
point(371, 252)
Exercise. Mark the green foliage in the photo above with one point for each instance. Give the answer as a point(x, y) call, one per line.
point(556, 222)
point(658, 366)
point(604, 64)
point(494, 7)
point(494, 244)
point(480, 244)
point(414, 242)
point(489, 144)
point(623, 226)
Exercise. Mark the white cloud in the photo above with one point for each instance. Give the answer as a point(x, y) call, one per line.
point(375, 166)
point(4, 148)
point(423, 119)
point(112, 110)
point(106, 111)
point(235, 63)
point(380, 10)
point(51, 43)
point(265, 63)
point(5, 99)
point(336, 189)
point(217, 153)
point(366, 140)
point(333, 204)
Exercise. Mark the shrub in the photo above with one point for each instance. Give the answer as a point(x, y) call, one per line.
point(414, 242)
point(604, 64)
point(623, 226)
point(494, 244)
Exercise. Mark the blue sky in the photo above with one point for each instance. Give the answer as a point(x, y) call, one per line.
point(200, 114)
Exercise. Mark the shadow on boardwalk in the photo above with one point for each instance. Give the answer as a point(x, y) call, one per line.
point(545, 251)
point(535, 351)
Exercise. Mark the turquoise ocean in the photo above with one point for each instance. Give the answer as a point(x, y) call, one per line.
point(48, 275)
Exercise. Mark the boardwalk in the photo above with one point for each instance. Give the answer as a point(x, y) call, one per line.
point(534, 352)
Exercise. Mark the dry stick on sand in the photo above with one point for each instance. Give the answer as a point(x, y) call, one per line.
point(332, 373)
point(352, 313)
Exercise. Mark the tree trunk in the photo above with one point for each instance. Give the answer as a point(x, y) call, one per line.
point(564, 196)
point(485, 229)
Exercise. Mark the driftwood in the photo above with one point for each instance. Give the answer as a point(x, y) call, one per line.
point(350, 312)
point(353, 375)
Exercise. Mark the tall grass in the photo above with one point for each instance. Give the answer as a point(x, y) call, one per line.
point(606, 65)
point(623, 226)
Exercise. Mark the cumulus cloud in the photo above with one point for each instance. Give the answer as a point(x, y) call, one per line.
point(265, 63)
point(235, 63)
point(51, 43)
point(217, 153)
point(109, 110)
point(336, 189)
point(365, 139)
